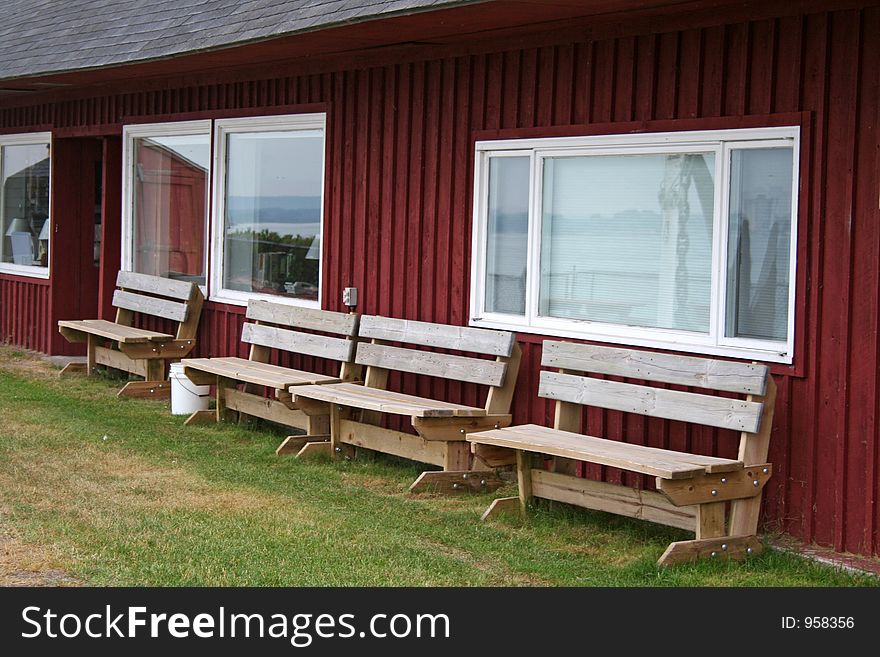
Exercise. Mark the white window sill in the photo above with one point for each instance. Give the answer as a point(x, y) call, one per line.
point(24, 270)
point(668, 341)
point(234, 298)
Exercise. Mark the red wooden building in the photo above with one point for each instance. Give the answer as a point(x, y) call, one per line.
point(695, 177)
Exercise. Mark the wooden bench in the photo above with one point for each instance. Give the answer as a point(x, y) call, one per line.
point(356, 411)
point(285, 328)
point(692, 491)
point(121, 346)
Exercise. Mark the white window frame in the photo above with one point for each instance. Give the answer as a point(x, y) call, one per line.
point(145, 131)
point(721, 143)
point(223, 127)
point(31, 139)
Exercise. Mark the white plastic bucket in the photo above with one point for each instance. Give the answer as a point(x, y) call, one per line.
point(186, 396)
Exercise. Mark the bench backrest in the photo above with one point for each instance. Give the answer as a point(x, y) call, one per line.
point(751, 415)
point(379, 357)
point(179, 301)
point(284, 327)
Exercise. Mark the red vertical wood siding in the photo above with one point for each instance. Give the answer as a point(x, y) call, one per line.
point(398, 212)
point(24, 312)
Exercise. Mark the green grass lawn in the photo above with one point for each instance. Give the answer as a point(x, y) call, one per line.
point(111, 491)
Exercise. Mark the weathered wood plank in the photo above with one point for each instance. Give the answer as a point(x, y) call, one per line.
point(139, 303)
point(442, 336)
point(311, 319)
point(111, 331)
point(662, 368)
point(119, 361)
point(268, 409)
point(635, 458)
point(621, 500)
point(263, 374)
point(396, 443)
point(297, 342)
point(165, 287)
point(447, 366)
point(383, 401)
point(656, 402)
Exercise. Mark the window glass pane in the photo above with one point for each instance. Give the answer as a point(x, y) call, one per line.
point(273, 206)
point(24, 204)
point(169, 196)
point(507, 237)
point(758, 243)
point(627, 239)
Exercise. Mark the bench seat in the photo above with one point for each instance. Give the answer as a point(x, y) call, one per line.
point(113, 331)
point(384, 401)
point(634, 458)
point(249, 371)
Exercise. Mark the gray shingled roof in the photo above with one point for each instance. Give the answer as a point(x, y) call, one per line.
point(51, 36)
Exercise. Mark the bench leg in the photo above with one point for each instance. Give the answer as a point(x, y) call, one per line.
point(458, 455)
point(338, 449)
point(91, 344)
point(524, 479)
point(710, 520)
point(221, 412)
point(714, 540)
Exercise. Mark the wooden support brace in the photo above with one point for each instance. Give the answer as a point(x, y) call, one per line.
point(493, 457)
point(456, 482)
point(73, 368)
point(201, 417)
point(314, 450)
point(457, 428)
point(723, 547)
point(501, 507)
point(716, 487)
point(293, 444)
point(146, 390)
point(151, 350)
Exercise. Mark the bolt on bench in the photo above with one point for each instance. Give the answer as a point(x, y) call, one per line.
point(141, 352)
point(282, 327)
point(356, 410)
point(692, 490)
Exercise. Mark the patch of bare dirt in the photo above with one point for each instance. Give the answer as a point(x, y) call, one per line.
point(23, 564)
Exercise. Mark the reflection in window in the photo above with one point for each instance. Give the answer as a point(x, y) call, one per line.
point(759, 243)
point(627, 239)
point(508, 234)
point(24, 204)
point(273, 200)
point(169, 196)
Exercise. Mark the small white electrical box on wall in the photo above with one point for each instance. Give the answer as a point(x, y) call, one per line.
point(350, 296)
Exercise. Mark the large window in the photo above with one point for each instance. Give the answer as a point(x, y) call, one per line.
point(166, 199)
point(268, 207)
point(675, 240)
point(25, 228)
